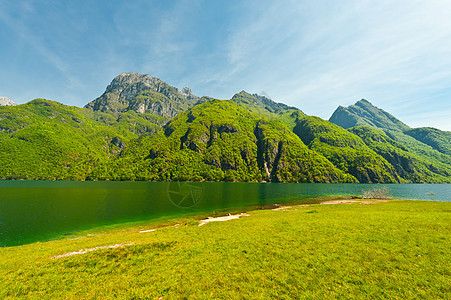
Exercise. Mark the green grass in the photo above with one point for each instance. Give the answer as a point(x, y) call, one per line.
point(394, 250)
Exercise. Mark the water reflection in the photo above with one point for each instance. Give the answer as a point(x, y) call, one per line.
point(38, 210)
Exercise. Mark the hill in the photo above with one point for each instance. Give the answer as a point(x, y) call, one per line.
point(437, 139)
point(260, 105)
point(142, 128)
point(220, 141)
point(47, 140)
point(429, 145)
point(345, 150)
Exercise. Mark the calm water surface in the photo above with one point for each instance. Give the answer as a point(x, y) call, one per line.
point(33, 211)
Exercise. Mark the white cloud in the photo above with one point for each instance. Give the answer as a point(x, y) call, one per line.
point(312, 54)
point(318, 57)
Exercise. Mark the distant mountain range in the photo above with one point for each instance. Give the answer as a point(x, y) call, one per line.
point(6, 102)
point(142, 128)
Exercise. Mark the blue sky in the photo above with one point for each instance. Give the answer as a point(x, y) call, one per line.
point(314, 55)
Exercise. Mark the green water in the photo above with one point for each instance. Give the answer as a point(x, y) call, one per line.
point(33, 211)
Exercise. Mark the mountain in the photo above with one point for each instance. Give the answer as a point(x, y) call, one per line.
point(48, 140)
point(345, 150)
point(421, 153)
point(364, 113)
point(260, 105)
point(142, 128)
point(6, 102)
point(144, 94)
point(420, 139)
point(410, 166)
point(437, 139)
point(221, 141)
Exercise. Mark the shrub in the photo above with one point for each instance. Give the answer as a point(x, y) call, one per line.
point(376, 193)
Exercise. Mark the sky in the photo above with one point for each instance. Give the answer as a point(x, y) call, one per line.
point(315, 55)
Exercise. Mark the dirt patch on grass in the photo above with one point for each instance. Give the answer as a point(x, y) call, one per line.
point(362, 202)
point(83, 251)
point(149, 230)
point(282, 208)
point(278, 207)
point(222, 219)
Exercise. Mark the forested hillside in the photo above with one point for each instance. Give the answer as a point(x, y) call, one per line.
point(142, 128)
point(422, 154)
point(219, 141)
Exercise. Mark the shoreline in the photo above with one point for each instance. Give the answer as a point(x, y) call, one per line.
point(204, 218)
point(229, 217)
point(169, 221)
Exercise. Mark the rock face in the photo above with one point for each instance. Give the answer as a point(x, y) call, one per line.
point(364, 113)
point(258, 103)
point(144, 94)
point(6, 102)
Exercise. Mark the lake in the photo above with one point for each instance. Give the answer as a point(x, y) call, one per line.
point(32, 211)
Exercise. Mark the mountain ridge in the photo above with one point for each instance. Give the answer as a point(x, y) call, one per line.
point(142, 128)
point(365, 113)
point(143, 93)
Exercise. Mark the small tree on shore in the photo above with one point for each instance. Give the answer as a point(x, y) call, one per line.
point(376, 193)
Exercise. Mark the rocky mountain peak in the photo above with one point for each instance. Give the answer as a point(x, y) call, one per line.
point(143, 93)
point(363, 101)
point(187, 91)
point(364, 112)
point(6, 102)
point(129, 80)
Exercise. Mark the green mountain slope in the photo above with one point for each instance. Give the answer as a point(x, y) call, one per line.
point(219, 140)
point(410, 166)
point(348, 152)
point(142, 128)
point(430, 145)
point(47, 140)
point(437, 139)
point(345, 150)
point(260, 105)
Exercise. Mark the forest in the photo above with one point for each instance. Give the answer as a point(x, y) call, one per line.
point(158, 133)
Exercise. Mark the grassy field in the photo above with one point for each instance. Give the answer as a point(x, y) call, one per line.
point(393, 250)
